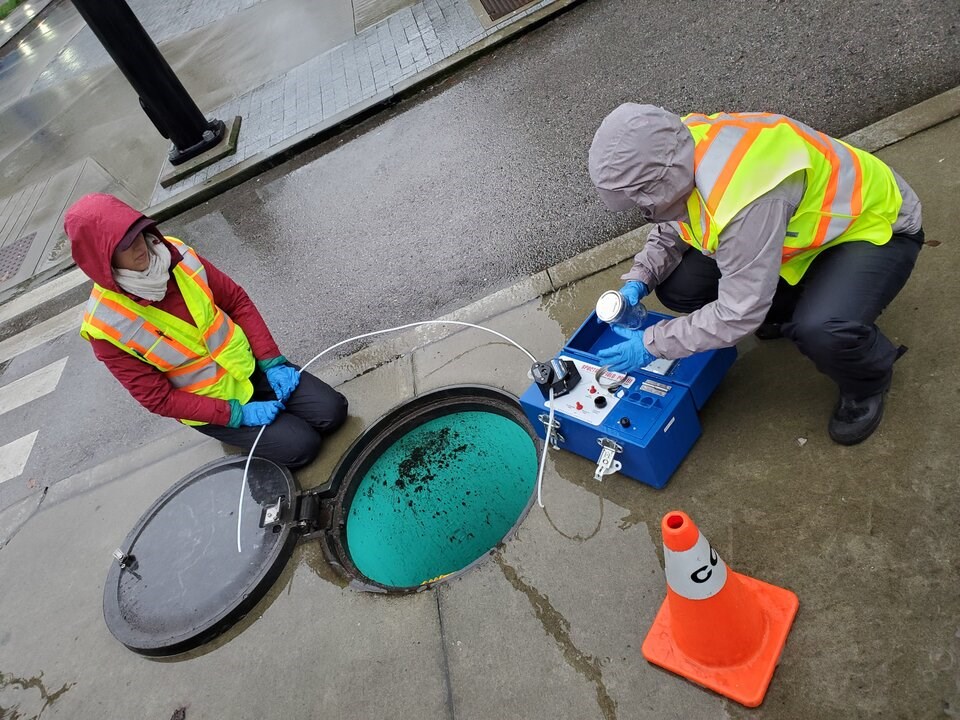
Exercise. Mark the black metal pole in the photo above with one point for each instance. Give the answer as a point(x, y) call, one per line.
point(162, 95)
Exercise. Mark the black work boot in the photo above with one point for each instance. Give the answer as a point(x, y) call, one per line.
point(853, 421)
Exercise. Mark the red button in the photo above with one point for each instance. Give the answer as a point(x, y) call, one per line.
point(592, 389)
point(579, 406)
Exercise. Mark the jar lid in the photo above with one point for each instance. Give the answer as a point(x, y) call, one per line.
point(609, 306)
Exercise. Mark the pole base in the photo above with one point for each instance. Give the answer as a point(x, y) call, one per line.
point(226, 146)
point(211, 136)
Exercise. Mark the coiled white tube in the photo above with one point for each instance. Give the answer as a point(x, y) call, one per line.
point(319, 355)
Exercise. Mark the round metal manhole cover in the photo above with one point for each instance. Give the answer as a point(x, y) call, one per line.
point(432, 488)
point(200, 557)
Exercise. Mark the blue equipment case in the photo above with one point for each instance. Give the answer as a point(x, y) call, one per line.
point(647, 425)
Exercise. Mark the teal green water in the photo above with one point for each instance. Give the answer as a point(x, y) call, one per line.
point(440, 497)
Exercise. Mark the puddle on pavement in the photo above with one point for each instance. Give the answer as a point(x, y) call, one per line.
point(27, 697)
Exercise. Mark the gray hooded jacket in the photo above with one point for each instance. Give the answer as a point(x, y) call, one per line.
point(642, 156)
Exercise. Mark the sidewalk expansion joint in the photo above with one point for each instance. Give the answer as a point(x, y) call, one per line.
point(558, 627)
point(447, 680)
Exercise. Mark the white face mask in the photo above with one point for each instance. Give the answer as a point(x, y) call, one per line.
point(149, 284)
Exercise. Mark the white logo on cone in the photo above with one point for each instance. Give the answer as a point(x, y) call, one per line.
point(697, 573)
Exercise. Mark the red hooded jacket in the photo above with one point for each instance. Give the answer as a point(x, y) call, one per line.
point(95, 225)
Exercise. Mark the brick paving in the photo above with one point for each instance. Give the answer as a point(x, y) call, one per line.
point(395, 49)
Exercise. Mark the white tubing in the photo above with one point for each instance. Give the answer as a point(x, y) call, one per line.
point(243, 485)
point(546, 444)
point(381, 332)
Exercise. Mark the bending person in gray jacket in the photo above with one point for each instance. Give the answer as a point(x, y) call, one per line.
point(762, 225)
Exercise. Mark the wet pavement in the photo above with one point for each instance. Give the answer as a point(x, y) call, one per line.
point(503, 141)
point(551, 625)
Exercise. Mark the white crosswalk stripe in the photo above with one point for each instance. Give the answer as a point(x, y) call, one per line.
point(42, 332)
point(33, 386)
point(14, 456)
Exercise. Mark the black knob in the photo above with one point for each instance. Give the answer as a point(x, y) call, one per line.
point(625, 422)
point(600, 401)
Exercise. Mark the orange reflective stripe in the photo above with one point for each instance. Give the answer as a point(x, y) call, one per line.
point(219, 333)
point(116, 335)
point(231, 328)
point(102, 326)
point(206, 382)
point(723, 180)
point(149, 327)
point(119, 309)
point(177, 345)
point(856, 202)
point(198, 364)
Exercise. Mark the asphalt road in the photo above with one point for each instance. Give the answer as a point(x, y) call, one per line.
point(482, 180)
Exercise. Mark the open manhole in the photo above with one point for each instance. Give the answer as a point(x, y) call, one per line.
point(433, 487)
point(425, 494)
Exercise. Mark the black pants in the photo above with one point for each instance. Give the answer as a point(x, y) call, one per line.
point(313, 410)
point(830, 314)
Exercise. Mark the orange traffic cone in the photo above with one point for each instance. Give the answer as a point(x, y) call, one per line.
point(720, 629)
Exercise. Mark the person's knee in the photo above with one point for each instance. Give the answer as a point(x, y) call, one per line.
point(301, 449)
point(289, 441)
point(679, 301)
point(338, 411)
point(829, 338)
point(305, 452)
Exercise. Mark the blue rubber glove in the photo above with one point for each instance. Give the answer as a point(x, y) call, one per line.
point(284, 380)
point(629, 355)
point(254, 414)
point(633, 291)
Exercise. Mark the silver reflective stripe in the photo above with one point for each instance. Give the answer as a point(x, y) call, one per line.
point(715, 159)
point(131, 328)
point(192, 262)
point(121, 323)
point(160, 348)
point(134, 331)
point(841, 207)
point(217, 339)
point(836, 227)
point(207, 372)
point(846, 179)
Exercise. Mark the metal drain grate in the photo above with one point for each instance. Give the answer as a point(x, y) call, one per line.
point(13, 255)
point(496, 9)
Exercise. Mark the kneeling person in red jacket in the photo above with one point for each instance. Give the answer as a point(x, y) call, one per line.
point(187, 342)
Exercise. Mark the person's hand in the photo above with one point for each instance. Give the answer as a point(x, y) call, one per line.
point(633, 291)
point(284, 380)
point(254, 414)
point(629, 355)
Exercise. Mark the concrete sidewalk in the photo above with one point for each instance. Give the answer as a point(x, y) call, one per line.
point(371, 54)
point(22, 16)
point(551, 625)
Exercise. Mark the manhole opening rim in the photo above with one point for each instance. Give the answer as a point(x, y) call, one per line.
point(365, 450)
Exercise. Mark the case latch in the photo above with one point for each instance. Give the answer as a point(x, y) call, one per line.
point(607, 464)
point(552, 433)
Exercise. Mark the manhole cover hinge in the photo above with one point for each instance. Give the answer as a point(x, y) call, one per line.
point(312, 515)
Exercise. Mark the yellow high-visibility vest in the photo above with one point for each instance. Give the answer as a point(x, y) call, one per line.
point(213, 359)
point(849, 194)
